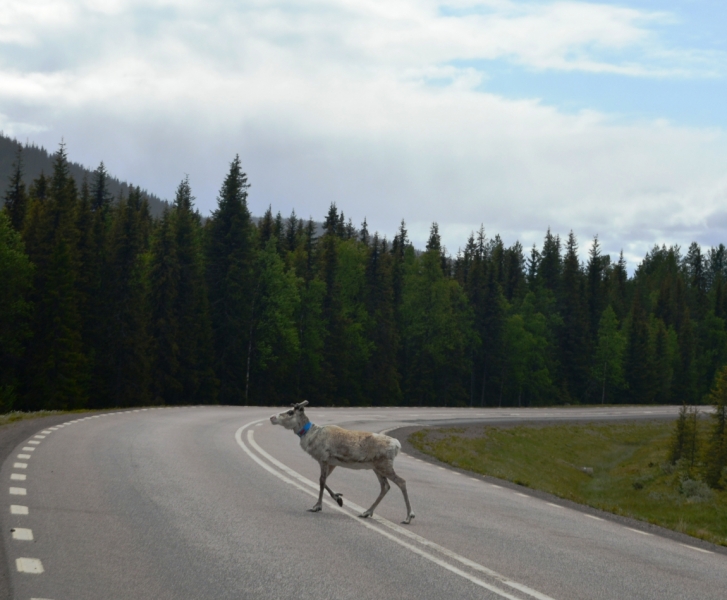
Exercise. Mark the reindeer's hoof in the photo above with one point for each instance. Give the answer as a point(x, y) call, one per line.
point(316, 508)
point(339, 499)
point(366, 515)
point(408, 519)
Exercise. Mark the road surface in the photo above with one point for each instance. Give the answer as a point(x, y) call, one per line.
point(211, 503)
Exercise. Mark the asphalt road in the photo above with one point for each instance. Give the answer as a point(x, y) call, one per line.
point(211, 503)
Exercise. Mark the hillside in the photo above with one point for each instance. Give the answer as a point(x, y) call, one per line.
point(37, 160)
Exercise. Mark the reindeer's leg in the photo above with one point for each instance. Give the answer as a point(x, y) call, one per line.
point(388, 471)
point(324, 474)
point(384, 488)
point(337, 497)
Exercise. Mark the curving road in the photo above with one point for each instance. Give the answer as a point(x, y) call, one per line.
point(210, 503)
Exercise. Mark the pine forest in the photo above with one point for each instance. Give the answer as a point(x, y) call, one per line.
point(104, 305)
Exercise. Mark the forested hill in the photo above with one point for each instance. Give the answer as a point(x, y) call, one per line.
point(37, 160)
point(103, 305)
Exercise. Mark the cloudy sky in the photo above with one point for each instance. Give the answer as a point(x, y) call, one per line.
point(604, 118)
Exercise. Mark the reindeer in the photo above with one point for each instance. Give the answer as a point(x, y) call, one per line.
point(334, 446)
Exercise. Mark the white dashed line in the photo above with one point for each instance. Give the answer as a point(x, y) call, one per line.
point(23, 456)
point(34, 442)
point(697, 549)
point(28, 449)
point(20, 465)
point(16, 509)
point(22, 534)
point(46, 431)
point(18, 476)
point(637, 531)
point(40, 437)
point(29, 565)
point(18, 491)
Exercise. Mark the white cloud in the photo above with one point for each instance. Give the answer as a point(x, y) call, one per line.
point(358, 102)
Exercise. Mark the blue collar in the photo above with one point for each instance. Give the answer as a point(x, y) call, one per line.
point(305, 429)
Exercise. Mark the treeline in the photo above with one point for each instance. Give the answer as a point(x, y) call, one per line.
point(37, 160)
point(103, 305)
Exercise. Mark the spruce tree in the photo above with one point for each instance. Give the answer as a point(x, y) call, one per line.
point(715, 468)
point(195, 331)
point(123, 365)
point(617, 288)
point(89, 285)
point(164, 275)
point(16, 275)
point(229, 262)
point(334, 357)
point(694, 265)
point(100, 194)
point(181, 330)
point(607, 367)
point(274, 341)
point(574, 345)
point(594, 286)
point(550, 263)
point(56, 369)
point(382, 376)
point(514, 285)
point(16, 199)
point(639, 364)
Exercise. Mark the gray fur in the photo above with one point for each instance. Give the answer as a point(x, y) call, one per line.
point(334, 446)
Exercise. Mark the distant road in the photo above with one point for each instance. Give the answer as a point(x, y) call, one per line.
point(211, 503)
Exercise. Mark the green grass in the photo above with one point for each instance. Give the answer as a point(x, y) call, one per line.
point(17, 415)
point(630, 472)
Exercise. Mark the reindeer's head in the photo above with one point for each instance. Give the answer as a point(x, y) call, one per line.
point(294, 418)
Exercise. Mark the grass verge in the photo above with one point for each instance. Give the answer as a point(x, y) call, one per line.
point(17, 415)
point(620, 468)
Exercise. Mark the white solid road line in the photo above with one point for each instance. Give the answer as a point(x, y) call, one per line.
point(638, 531)
point(593, 517)
point(476, 580)
point(697, 549)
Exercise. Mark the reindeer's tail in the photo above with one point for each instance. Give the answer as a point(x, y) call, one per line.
point(393, 449)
